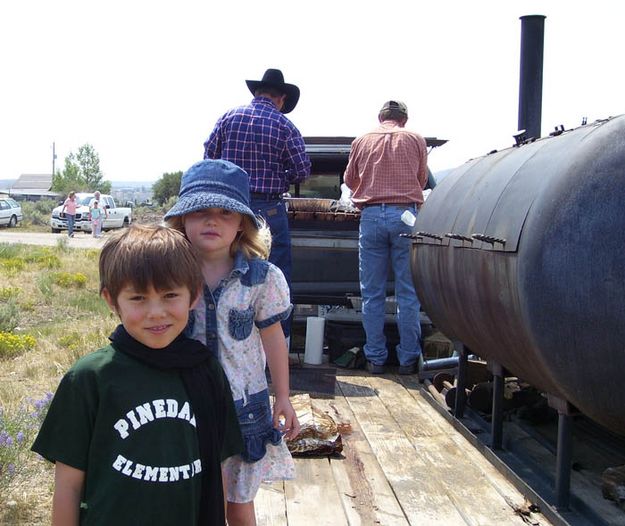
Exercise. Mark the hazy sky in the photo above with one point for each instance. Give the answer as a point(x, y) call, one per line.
point(144, 81)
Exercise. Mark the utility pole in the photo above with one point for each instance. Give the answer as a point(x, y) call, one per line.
point(53, 157)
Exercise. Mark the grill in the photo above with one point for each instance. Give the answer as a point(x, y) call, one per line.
point(309, 209)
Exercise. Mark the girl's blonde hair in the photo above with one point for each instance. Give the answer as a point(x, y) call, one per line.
point(252, 241)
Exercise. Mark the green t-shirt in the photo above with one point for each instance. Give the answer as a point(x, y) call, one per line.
point(131, 428)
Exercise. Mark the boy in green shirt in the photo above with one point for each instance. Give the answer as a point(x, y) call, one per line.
point(138, 429)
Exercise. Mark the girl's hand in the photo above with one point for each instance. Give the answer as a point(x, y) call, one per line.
point(282, 409)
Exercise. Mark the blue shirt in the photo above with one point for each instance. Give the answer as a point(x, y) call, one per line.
point(263, 142)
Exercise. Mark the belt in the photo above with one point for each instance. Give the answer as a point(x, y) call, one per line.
point(261, 196)
point(392, 205)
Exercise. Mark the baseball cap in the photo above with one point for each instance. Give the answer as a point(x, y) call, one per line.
point(395, 105)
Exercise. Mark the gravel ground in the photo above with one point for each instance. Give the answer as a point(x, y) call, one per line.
point(80, 239)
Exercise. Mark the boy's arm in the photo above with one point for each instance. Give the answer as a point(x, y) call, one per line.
point(277, 354)
point(68, 486)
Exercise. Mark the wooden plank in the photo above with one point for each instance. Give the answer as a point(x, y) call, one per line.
point(422, 498)
point(365, 493)
point(317, 380)
point(270, 505)
point(463, 482)
point(313, 498)
point(501, 484)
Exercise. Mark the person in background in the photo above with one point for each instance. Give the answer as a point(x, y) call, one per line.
point(69, 209)
point(267, 145)
point(238, 317)
point(139, 428)
point(387, 171)
point(96, 197)
point(98, 214)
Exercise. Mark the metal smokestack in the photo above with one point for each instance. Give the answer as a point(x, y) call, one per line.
point(531, 75)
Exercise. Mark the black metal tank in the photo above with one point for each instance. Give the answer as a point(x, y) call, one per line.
point(522, 258)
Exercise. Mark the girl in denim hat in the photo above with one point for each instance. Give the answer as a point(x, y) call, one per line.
point(238, 317)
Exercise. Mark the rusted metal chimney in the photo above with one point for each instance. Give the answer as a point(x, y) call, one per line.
point(531, 75)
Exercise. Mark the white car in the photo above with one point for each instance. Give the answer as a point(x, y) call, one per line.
point(117, 217)
point(10, 212)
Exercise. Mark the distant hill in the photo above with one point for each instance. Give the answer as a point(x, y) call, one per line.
point(7, 183)
point(132, 184)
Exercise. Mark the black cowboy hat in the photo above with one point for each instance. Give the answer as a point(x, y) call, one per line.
point(273, 78)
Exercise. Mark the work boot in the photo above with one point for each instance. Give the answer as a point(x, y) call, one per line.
point(375, 368)
point(407, 369)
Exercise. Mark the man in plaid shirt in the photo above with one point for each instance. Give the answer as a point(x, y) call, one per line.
point(387, 172)
point(267, 145)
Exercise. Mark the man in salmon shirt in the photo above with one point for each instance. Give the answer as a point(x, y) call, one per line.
point(387, 172)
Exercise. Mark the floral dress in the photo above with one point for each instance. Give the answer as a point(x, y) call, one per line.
point(228, 320)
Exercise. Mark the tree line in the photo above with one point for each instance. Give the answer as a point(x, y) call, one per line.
point(82, 173)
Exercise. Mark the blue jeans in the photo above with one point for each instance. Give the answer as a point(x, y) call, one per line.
point(70, 223)
point(380, 248)
point(274, 213)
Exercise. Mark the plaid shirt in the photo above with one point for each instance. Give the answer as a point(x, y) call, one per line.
point(387, 165)
point(263, 142)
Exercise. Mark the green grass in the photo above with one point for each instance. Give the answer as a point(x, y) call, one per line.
point(45, 283)
point(50, 315)
point(8, 251)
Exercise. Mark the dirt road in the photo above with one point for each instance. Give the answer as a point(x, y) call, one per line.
point(80, 239)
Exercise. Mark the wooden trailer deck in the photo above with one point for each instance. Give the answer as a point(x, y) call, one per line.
point(402, 464)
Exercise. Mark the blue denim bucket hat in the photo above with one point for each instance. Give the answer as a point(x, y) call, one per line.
point(214, 184)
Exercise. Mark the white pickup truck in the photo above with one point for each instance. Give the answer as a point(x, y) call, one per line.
point(117, 216)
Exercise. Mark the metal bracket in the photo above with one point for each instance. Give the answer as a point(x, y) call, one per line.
point(432, 236)
point(561, 405)
point(488, 239)
point(459, 237)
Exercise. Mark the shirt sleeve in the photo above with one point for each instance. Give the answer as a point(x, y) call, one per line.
point(422, 176)
point(65, 435)
point(350, 176)
point(212, 146)
point(273, 301)
point(296, 159)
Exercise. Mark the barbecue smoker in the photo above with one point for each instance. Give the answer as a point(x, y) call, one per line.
point(518, 256)
point(521, 258)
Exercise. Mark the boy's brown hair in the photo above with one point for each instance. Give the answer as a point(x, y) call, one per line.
point(149, 255)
